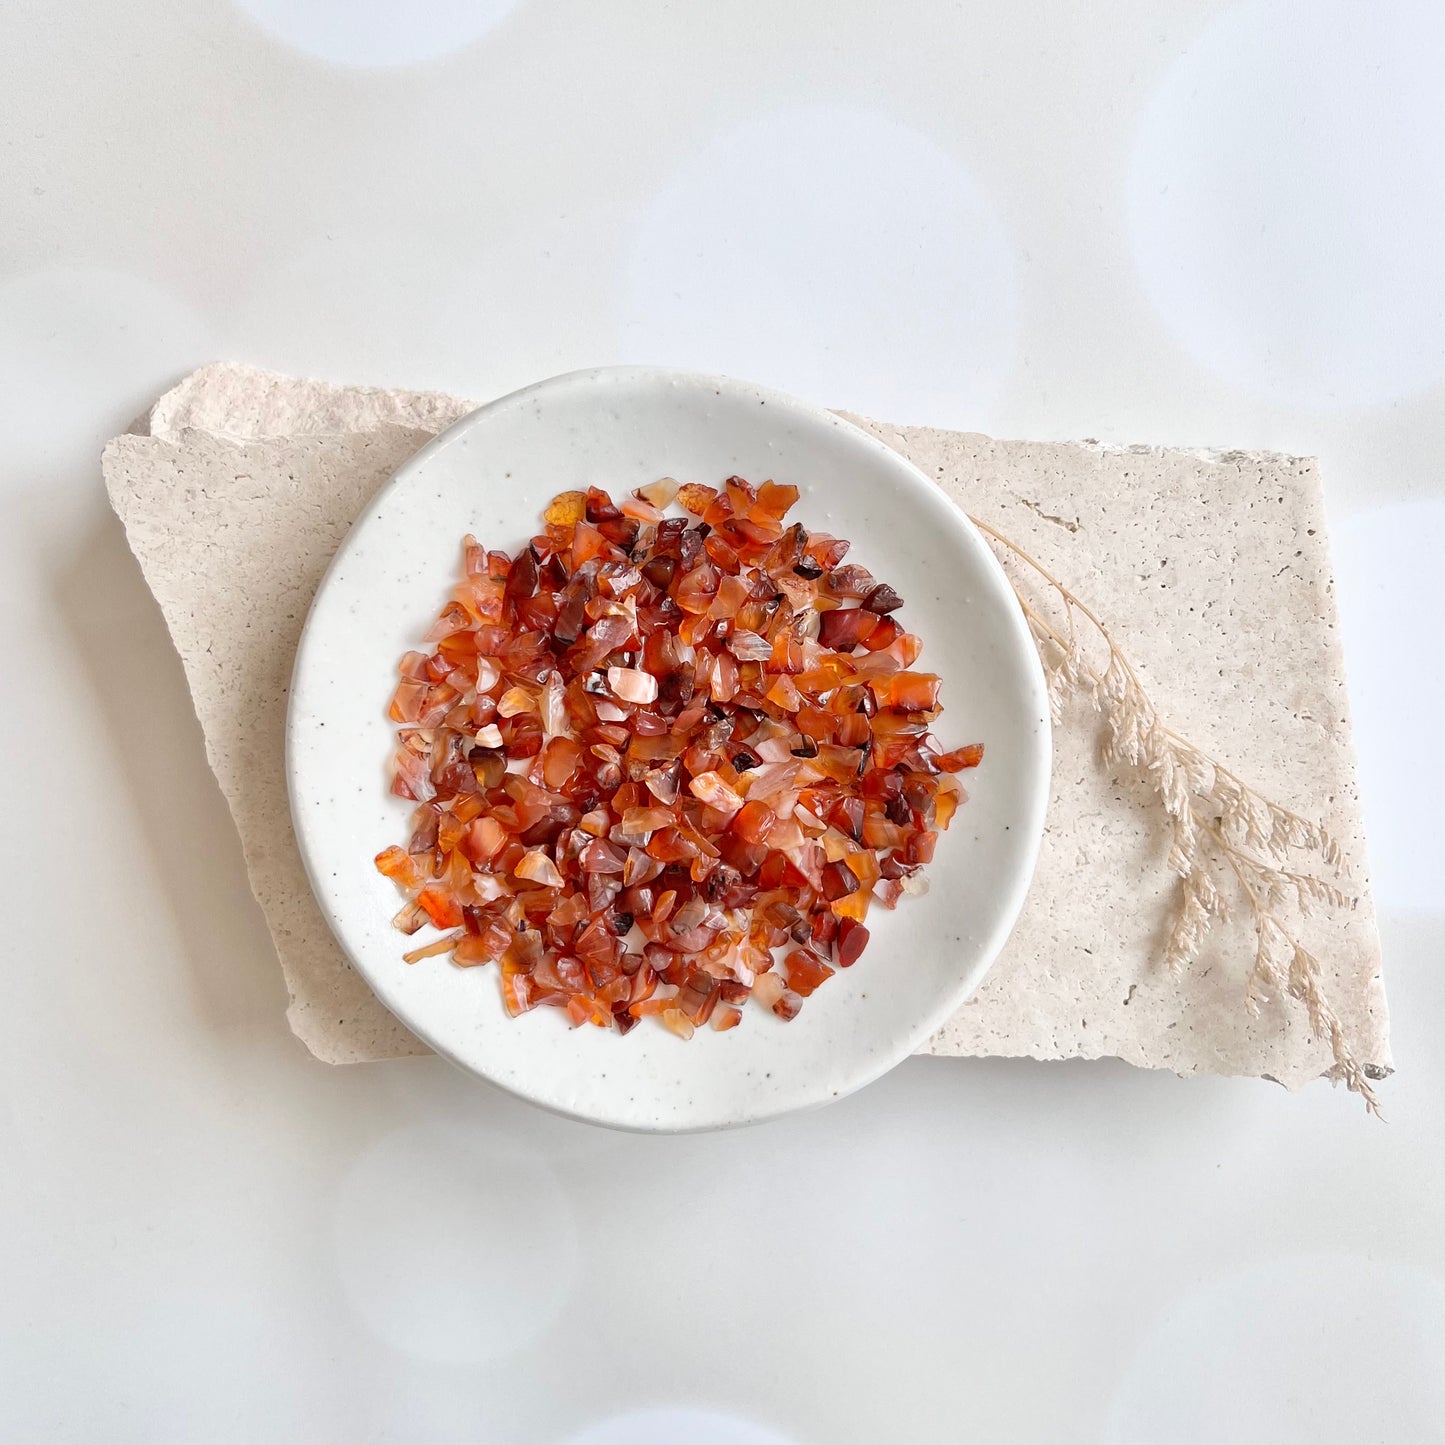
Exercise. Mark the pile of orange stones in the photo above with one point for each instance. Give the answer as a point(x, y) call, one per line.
point(664, 764)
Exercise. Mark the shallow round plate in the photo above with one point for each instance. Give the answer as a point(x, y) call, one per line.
point(491, 474)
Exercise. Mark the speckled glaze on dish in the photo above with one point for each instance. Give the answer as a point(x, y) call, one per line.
point(618, 428)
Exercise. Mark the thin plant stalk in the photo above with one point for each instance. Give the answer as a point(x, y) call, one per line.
point(1221, 830)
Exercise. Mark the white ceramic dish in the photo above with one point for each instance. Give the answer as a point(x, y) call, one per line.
point(619, 428)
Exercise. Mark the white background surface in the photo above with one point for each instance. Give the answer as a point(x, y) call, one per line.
point(1181, 224)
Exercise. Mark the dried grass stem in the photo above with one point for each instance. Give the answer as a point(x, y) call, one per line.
point(1220, 828)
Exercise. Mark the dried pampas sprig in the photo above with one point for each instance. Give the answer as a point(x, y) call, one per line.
point(1219, 826)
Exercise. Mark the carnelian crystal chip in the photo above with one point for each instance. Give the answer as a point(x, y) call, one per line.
point(566, 509)
point(852, 940)
point(696, 498)
point(956, 761)
point(660, 493)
